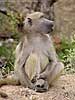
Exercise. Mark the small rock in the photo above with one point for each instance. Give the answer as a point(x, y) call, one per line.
point(1, 43)
point(9, 40)
point(3, 95)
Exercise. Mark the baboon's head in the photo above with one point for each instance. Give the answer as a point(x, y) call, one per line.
point(36, 22)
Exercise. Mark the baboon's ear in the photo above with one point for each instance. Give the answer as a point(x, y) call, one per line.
point(52, 2)
point(29, 21)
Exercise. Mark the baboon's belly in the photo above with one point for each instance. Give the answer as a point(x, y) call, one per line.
point(35, 64)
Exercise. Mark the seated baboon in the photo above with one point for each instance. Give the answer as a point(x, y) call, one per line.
point(37, 65)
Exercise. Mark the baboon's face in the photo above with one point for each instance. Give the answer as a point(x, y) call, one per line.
point(38, 23)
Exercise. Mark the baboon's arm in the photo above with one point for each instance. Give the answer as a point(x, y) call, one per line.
point(22, 56)
point(52, 60)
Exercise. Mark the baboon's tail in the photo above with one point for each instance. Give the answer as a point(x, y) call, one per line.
point(9, 80)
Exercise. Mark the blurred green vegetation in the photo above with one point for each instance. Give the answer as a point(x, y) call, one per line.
point(7, 25)
point(66, 54)
point(8, 52)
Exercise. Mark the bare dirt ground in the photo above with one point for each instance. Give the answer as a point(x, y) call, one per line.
point(64, 89)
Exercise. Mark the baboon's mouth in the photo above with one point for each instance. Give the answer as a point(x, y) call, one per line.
point(51, 30)
point(48, 32)
point(41, 90)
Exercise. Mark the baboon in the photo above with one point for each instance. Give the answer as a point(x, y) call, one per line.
point(36, 65)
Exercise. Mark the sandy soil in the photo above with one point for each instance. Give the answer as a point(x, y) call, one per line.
point(64, 89)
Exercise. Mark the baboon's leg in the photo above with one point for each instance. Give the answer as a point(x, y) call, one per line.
point(54, 75)
point(32, 66)
point(49, 77)
point(54, 68)
point(9, 80)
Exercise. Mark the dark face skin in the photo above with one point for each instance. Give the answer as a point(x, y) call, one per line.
point(44, 25)
point(38, 23)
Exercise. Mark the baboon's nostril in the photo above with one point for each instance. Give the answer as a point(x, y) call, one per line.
point(52, 25)
point(42, 86)
point(38, 86)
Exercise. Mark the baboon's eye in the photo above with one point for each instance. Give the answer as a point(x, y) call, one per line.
point(30, 21)
point(42, 16)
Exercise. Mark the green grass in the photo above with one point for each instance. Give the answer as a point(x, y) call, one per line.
point(7, 51)
point(67, 54)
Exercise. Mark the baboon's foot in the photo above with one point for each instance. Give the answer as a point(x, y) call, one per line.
point(41, 85)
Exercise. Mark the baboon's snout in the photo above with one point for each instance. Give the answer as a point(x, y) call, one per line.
point(49, 25)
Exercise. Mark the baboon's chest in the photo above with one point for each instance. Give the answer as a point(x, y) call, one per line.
point(35, 64)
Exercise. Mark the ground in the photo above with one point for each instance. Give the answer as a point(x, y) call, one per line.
point(64, 89)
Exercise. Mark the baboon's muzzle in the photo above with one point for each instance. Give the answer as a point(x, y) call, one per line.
point(46, 25)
